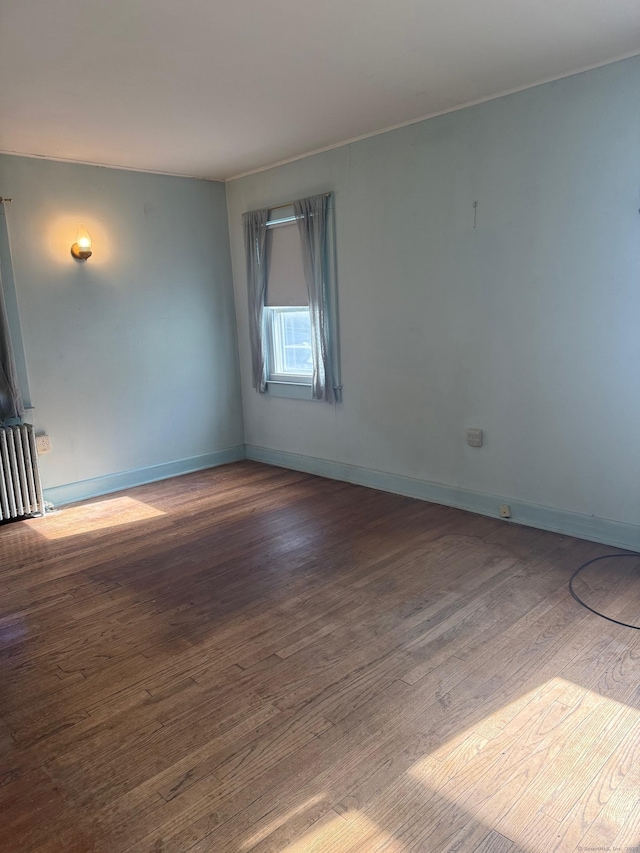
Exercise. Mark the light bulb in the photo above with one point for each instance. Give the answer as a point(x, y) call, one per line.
point(84, 241)
point(81, 249)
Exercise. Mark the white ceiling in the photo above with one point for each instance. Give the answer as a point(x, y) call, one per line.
point(214, 88)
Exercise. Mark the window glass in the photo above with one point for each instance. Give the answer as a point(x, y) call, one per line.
point(289, 336)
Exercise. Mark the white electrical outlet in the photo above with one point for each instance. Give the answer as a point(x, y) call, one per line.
point(474, 437)
point(505, 511)
point(43, 444)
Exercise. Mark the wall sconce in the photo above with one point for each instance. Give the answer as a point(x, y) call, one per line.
point(81, 249)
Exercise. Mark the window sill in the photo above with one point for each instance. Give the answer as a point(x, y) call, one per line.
point(289, 390)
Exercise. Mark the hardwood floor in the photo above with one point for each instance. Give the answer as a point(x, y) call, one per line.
point(252, 659)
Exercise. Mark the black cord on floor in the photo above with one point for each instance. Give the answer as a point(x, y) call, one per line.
point(580, 601)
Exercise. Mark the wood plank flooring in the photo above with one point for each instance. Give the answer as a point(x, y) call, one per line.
point(253, 659)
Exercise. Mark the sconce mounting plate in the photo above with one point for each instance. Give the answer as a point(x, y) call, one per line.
point(80, 254)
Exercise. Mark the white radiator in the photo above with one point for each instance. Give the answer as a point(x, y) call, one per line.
point(20, 489)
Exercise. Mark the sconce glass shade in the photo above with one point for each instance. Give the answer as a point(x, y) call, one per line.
point(81, 249)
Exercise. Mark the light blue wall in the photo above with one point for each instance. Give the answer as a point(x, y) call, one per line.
point(527, 326)
point(132, 355)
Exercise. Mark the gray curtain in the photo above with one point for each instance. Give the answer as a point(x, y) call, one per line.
point(311, 215)
point(10, 397)
point(254, 224)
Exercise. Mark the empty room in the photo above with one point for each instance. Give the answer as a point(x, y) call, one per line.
point(319, 426)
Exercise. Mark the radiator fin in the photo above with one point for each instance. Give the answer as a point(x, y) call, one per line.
point(20, 489)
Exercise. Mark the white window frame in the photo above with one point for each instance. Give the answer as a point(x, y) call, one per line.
point(270, 313)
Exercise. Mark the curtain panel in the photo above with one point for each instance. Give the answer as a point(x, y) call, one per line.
point(10, 397)
point(255, 244)
point(311, 216)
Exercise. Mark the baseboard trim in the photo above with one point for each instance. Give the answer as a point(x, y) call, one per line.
point(72, 492)
point(615, 533)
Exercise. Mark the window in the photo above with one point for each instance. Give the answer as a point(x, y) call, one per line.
point(289, 344)
point(290, 260)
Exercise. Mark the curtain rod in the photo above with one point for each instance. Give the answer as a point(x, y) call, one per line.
point(289, 203)
point(2, 200)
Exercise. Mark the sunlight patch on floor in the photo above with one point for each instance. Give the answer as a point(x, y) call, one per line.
point(530, 772)
point(521, 770)
point(276, 823)
point(75, 520)
point(353, 831)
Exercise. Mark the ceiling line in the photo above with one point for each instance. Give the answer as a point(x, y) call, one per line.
point(109, 166)
point(454, 109)
point(340, 144)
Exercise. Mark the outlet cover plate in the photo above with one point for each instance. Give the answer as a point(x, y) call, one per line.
point(43, 444)
point(474, 437)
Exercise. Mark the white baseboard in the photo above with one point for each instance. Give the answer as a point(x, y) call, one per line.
point(72, 492)
point(616, 533)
